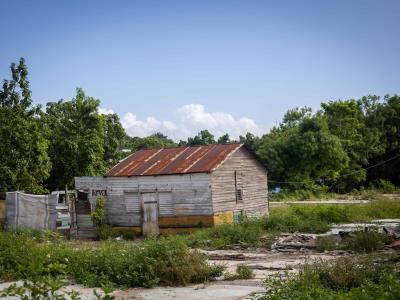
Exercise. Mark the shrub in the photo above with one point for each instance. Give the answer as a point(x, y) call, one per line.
point(326, 243)
point(384, 185)
point(365, 241)
point(166, 261)
point(247, 231)
point(242, 272)
point(104, 231)
point(345, 278)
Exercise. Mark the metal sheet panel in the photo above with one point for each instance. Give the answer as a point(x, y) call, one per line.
point(132, 202)
point(165, 203)
point(84, 220)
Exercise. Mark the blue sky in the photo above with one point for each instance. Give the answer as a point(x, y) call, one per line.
point(179, 66)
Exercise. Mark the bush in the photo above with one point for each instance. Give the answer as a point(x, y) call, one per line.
point(158, 261)
point(365, 241)
point(384, 185)
point(346, 278)
point(247, 231)
point(242, 272)
point(326, 243)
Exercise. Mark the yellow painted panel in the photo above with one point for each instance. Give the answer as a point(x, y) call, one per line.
point(2, 209)
point(224, 217)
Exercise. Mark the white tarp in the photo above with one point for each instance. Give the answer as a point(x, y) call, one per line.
point(31, 211)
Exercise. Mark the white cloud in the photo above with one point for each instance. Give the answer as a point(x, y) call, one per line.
point(105, 111)
point(150, 125)
point(190, 119)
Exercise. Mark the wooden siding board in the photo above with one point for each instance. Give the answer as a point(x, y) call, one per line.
point(191, 194)
point(251, 178)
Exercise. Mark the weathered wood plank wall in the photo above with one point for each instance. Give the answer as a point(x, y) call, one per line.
point(190, 194)
point(251, 177)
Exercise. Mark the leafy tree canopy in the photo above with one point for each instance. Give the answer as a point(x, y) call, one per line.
point(24, 162)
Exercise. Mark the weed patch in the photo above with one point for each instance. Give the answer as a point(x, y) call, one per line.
point(365, 241)
point(326, 243)
point(242, 272)
point(247, 231)
point(163, 261)
point(319, 218)
point(346, 278)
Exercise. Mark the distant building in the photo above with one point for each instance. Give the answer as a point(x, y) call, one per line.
point(178, 189)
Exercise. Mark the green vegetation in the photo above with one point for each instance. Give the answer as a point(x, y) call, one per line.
point(247, 231)
point(365, 277)
point(98, 216)
point(360, 241)
point(319, 218)
point(163, 261)
point(344, 146)
point(24, 159)
point(293, 218)
point(242, 272)
point(49, 288)
point(326, 243)
point(365, 241)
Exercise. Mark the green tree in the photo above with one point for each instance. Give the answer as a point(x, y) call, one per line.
point(24, 163)
point(386, 120)
point(306, 153)
point(294, 117)
point(77, 139)
point(115, 140)
point(204, 137)
point(224, 139)
point(250, 140)
point(157, 140)
point(348, 120)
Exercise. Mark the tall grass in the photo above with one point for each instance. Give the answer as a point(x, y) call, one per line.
point(163, 261)
point(355, 278)
point(247, 231)
point(319, 218)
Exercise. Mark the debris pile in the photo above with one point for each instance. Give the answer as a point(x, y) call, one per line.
point(294, 242)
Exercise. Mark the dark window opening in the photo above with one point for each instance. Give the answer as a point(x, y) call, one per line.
point(238, 191)
point(239, 195)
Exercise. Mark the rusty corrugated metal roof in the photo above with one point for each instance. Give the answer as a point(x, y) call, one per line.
point(166, 161)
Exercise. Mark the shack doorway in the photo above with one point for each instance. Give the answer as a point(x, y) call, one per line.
point(150, 214)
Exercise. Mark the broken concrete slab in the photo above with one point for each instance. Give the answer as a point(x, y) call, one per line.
point(288, 242)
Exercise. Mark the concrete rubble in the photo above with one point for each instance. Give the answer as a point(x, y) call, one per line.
point(292, 242)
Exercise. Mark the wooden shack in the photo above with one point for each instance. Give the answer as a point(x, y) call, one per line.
point(180, 189)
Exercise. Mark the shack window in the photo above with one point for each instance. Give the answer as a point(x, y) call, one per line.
point(239, 194)
point(165, 203)
point(238, 190)
point(132, 202)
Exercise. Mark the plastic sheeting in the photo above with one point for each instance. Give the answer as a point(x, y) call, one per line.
point(31, 211)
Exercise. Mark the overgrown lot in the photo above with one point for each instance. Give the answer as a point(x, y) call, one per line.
point(166, 261)
point(169, 260)
point(319, 218)
point(293, 218)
